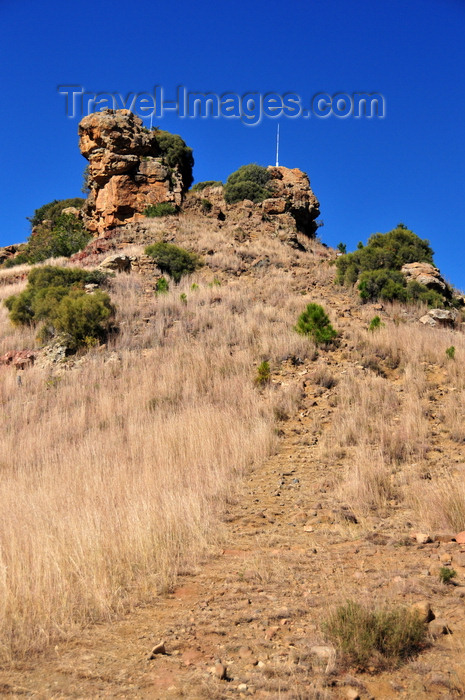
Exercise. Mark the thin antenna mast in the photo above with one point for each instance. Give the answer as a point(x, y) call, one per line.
point(277, 147)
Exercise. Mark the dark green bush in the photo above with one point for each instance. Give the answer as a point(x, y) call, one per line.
point(160, 209)
point(382, 284)
point(376, 638)
point(315, 323)
point(53, 234)
point(176, 153)
point(249, 182)
point(199, 186)
point(175, 262)
point(56, 297)
point(377, 266)
point(388, 251)
point(67, 237)
point(52, 211)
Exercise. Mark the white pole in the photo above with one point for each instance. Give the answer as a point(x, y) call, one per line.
point(277, 147)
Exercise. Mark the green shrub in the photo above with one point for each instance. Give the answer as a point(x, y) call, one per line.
point(183, 298)
point(53, 234)
point(315, 323)
point(67, 237)
point(450, 352)
point(160, 209)
point(249, 182)
point(446, 575)
point(176, 154)
point(199, 186)
point(342, 248)
point(205, 206)
point(375, 638)
point(375, 323)
point(377, 266)
point(263, 374)
point(382, 284)
point(52, 211)
point(56, 297)
point(172, 260)
point(162, 286)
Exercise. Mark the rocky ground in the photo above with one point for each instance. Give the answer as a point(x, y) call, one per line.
point(247, 621)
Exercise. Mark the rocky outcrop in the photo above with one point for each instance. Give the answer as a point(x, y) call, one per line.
point(291, 206)
point(426, 274)
point(291, 190)
point(126, 172)
point(10, 251)
point(440, 317)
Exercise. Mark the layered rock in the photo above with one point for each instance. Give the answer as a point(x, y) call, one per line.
point(292, 193)
point(126, 172)
point(292, 204)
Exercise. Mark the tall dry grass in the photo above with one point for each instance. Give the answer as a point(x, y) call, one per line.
point(114, 473)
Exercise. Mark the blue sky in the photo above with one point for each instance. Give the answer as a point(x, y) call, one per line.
point(367, 174)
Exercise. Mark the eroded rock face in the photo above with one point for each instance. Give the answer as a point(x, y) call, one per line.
point(425, 274)
point(293, 186)
point(126, 173)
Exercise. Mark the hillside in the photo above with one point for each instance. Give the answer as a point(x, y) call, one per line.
point(159, 488)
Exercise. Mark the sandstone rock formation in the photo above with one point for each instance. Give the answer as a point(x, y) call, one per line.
point(292, 204)
point(426, 274)
point(292, 193)
point(126, 172)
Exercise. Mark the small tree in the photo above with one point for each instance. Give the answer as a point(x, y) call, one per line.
point(315, 323)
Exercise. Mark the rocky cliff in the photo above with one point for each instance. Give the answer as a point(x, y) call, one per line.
point(126, 171)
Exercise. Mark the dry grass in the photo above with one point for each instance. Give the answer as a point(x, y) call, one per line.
point(126, 461)
point(440, 504)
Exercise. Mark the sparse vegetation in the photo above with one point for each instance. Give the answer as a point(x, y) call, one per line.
point(375, 638)
point(160, 209)
point(249, 182)
point(315, 323)
point(446, 575)
point(199, 186)
point(450, 352)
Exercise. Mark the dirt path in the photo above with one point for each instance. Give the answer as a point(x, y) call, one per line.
point(248, 622)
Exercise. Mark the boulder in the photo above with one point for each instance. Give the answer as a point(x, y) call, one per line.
point(118, 263)
point(126, 172)
point(440, 317)
point(426, 274)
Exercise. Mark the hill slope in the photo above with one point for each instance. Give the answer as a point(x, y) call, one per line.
point(182, 503)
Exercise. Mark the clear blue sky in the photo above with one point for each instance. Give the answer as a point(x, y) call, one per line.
point(368, 175)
